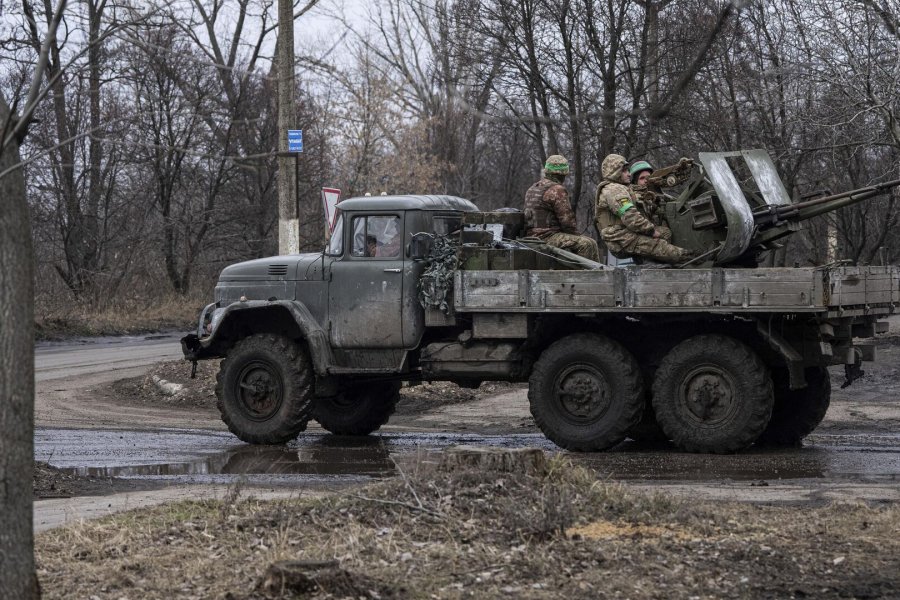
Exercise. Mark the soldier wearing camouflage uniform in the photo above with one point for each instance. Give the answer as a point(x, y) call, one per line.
point(549, 216)
point(624, 230)
point(648, 197)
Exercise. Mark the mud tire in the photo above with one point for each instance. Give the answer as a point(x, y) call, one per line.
point(712, 393)
point(586, 392)
point(264, 389)
point(797, 412)
point(359, 409)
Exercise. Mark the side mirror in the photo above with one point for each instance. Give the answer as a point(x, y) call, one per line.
point(421, 245)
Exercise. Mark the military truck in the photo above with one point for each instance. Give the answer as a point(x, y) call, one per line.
point(427, 288)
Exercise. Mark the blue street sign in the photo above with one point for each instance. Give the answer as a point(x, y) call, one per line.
point(295, 140)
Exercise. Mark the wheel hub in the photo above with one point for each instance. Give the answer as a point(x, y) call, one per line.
point(259, 390)
point(583, 393)
point(708, 394)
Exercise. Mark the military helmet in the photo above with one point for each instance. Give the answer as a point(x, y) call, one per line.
point(557, 165)
point(612, 167)
point(641, 165)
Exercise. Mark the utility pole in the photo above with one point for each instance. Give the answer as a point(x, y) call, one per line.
point(288, 219)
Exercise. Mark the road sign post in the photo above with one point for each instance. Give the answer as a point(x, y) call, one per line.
point(289, 221)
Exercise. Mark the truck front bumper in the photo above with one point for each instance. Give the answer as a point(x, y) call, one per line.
point(192, 345)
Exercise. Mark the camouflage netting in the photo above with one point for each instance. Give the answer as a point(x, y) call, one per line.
point(437, 280)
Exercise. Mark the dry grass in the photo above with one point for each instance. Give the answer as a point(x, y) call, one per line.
point(128, 316)
point(428, 534)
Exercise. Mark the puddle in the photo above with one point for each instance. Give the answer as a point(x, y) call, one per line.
point(869, 459)
point(364, 457)
point(217, 456)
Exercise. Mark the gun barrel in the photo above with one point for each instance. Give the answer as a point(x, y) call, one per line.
point(812, 208)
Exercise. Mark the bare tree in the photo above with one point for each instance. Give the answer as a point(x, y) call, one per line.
point(18, 578)
point(173, 92)
point(81, 167)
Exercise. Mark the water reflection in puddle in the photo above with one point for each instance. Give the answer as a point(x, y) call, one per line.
point(326, 456)
point(312, 456)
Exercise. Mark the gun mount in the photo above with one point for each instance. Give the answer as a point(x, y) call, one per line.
point(735, 207)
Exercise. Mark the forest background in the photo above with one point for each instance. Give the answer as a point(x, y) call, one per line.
point(153, 160)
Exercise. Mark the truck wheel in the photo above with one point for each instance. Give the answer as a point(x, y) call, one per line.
point(712, 393)
point(359, 409)
point(264, 389)
point(585, 392)
point(798, 412)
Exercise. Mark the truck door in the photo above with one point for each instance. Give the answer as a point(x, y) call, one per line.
point(365, 295)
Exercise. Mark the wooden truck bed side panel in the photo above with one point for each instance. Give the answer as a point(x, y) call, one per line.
point(665, 290)
point(852, 286)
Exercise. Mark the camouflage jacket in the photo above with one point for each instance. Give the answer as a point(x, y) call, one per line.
point(547, 209)
point(617, 210)
point(649, 203)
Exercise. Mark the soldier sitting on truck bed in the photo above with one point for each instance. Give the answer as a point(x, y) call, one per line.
point(648, 197)
point(648, 183)
point(549, 216)
point(625, 231)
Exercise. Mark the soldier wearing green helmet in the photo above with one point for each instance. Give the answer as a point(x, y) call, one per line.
point(549, 215)
point(648, 196)
point(640, 172)
point(624, 227)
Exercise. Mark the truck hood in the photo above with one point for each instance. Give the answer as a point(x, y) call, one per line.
point(293, 267)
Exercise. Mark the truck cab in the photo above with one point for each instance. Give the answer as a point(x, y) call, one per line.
point(354, 304)
point(372, 304)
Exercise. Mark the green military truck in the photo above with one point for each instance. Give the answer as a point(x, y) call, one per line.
point(713, 356)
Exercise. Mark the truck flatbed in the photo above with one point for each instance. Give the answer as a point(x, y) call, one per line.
point(832, 292)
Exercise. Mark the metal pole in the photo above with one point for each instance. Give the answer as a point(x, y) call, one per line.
point(288, 222)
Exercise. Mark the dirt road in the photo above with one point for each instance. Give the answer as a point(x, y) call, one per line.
point(69, 376)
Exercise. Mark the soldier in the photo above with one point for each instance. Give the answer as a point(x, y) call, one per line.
point(640, 173)
point(549, 216)
point(648, 197)
point(624, 230)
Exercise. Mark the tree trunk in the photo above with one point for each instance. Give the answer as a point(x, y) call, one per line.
point(17, 574)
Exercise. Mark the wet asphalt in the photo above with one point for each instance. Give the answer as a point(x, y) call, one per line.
point(200, 457)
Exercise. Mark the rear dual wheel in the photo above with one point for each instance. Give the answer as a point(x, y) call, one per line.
point(586, 392)
point(797, 412)
point(712, 393)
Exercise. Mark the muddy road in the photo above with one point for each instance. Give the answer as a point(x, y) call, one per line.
point(100, 419)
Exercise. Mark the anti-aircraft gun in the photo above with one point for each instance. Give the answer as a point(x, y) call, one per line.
point(735, 206)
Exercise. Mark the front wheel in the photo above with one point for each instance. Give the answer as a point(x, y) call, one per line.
point(358, 409)
point(585, 392)
point(712, 393)
point(264, 389)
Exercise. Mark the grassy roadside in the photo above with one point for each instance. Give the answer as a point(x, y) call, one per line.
point(480, 534)
point(128, 317)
